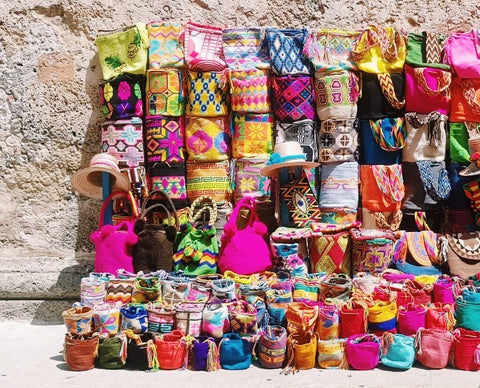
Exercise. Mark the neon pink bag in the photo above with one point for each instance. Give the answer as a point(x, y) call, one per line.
point(433, 347)
point(113, 243)
point(363, 351)
point(410, 318)
point(427, 89)
point(245, 251)
point(462, 53)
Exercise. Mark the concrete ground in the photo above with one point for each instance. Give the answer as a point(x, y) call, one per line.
point(31, 356)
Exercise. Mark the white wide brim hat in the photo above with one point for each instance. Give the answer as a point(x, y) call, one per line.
point(286, 154)
point(88, 181)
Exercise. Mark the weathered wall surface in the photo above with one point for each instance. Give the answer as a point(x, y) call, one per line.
point(50, 116)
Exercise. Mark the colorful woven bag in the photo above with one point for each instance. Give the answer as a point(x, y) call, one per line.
point(161, 318)
point(171, 350)
point(215, 320)
point(427, 89)
point(301, 351)
point(243, 318)
point(106, 318)
point(207, 94)
point(382, 95)
point(165, 139)
point(252, 135)
point(250, 90)
point(336, 94)
point(426, 49)
point(382, 187)
point(208, 139)
point(328, 322)
point(170, 178)
point(465, 101)
point(124, 140)
point(363, 351)
point(339, 185)
point(353, 319)
point(165, 44)
point(119, 290)
point(335, 288)
point(78, 319)
point(272, 347)
point(303, 132)
point(301, 317)
point(121, 97)
point(329, 248)
point(459, 134)
point(243, 48)
point(331, 50)
point(203, 47)
point(433, 347)
point(134, 318)
point(285, 47)
point(382, 317)
point(331, 354)
point(371, 151)
point(80, 351)
point(463, 254)
point(205, 354)
point(466, 312)
point(293, 98)
point(372, 250)
point(123, 51)
point(188, 318)
point(410, 318)
point(146, 289)
point(209, 178)
point(248, 181)
point(165, 92)
point(380, 50)
point(338, 141)
point(472, 192)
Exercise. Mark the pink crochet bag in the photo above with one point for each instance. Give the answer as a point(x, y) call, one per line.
point(113, 243)
point(245, 251)
point(363, 351)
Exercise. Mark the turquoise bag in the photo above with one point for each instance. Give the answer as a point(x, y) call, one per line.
point(398, 351)
point(235, 352)
point(467, 311)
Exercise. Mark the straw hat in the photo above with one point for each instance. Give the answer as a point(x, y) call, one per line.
point(474, 167)
point(88, 181)
point(286, 154)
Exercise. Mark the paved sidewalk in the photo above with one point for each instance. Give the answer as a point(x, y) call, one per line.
point(31, 356)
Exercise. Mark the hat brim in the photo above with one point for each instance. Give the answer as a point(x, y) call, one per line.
point(470, 170)
point(273, 169)
point(88, 181)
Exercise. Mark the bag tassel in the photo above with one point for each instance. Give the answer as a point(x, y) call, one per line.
point(213, 358)
point(476, 356)
point(153, 363)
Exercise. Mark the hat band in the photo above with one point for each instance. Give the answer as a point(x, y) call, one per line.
point(100, 163)
point(276, 158)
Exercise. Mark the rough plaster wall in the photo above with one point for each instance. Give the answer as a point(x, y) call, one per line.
point(49, 75)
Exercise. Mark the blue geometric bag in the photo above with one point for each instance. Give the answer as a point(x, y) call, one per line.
point(285, 47)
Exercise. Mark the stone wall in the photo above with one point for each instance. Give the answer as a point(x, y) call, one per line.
point(50, 115)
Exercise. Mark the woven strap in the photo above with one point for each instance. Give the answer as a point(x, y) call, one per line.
point(433, 50)
point(469, 94)
point(390, 181)
point(472, 129)
point(433, 120)
point(392, 222)
point(399, 134)
point(444, 79)
point(440, 190)
point(375, 35)
point(201, 206)
point(386, 84)
point(421, 220)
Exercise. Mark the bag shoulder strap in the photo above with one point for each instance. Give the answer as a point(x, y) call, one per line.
point(114, 195)
point(399, 135)
point(470, 96)
point(388, 90)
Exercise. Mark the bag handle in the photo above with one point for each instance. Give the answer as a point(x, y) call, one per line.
point(389, 181)
point(444, 79)
point(169, 214)
point(374, 36)
point(244, 203)
point(166, 196)
point(388, 90)
point(118, 193)
point(205, 203)
point(399, 134)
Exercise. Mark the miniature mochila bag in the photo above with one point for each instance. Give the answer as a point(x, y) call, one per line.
point(235, 352)
point(398, 351)
point(203, 47)
point(252, 135)
point(106, 318)
point(301, 351)
point(433, 347)
point(147, 289)
point(426, 49)
point(303, 131)
point(465, 349)
point(123, 51)
point(382, 95)
point(336, 94)
point(171, 350)
point(121, 97)
point(363, 351)
point(165, 44)
point(78, 320)
point(80, 351)
point(165, 139)
point(380, 50)
point(293, 98)
point(245, 251)
point(134, 318)
point(250, 90)
point(243, 48)
point(209, 178)
point(272, 347)
point(165, 94)
point(331, 50)
point(119, 290)
point(208, 139)
point(338, 140)
point(285, 47)
point(161, 318)
point(124, 140)
point(207, 94)
point(113, 244)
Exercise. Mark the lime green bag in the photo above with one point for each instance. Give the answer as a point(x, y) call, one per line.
point(417, 48)
point(459, 151)
point(123, 51)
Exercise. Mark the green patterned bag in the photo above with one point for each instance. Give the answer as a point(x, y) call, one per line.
point(459, 134)
point(123, 51)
